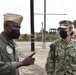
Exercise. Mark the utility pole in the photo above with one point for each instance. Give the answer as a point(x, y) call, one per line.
point(44, 32)
point(44, 39)
point(32, 24)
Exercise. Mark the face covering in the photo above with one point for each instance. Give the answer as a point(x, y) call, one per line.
point(15, 33)
point(63, 34)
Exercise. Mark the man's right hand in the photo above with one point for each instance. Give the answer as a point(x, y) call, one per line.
point(27, 61)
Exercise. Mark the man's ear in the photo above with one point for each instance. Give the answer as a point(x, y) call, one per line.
point(72, 32)
point(5, 27)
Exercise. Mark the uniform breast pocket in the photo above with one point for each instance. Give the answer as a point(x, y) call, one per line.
point(5, 57)
point(72, 52)
point(72, 56)
point(60, 56)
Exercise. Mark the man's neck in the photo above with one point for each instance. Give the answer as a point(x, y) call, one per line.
point(7, 37)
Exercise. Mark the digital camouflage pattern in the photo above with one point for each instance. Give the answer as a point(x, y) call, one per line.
point(61, 59)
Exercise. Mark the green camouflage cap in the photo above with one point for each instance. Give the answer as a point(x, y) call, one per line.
point(65, 24)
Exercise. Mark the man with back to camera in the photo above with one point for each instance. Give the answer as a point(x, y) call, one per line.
point(61, 58)
point(9, 61)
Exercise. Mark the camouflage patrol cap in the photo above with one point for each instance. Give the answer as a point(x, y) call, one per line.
point(13, 17)
point(65, 24)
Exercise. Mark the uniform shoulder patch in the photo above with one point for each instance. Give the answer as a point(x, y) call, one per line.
point(9, 50)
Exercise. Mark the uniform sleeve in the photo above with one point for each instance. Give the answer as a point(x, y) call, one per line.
point(50, 61)
point(7, 67)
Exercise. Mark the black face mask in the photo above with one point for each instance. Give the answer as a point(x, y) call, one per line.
point(63, 34)
point(15, 33)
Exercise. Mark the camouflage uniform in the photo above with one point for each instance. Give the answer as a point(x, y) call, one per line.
point(61, 58)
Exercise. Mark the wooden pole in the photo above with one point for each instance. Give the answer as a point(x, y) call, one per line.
point(32, 24)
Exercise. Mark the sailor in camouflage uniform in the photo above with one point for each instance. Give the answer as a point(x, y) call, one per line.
point(61, 58)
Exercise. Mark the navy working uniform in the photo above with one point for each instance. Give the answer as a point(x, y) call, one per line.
point(61, 58)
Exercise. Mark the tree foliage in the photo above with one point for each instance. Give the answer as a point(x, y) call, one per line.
point(74, 22)
point(25, 37)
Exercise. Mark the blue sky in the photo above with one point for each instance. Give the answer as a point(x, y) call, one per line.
point(53, 7)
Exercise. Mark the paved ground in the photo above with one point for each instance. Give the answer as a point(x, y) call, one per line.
point(40, 59)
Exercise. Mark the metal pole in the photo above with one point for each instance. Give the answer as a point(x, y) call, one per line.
point(32, 24)
point(44, 39)
point(42, 33)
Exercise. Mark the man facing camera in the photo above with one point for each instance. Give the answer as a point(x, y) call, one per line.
point(61, 58)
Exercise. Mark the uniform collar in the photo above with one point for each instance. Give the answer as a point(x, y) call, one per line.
point(4, 39)
point(70, 44)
